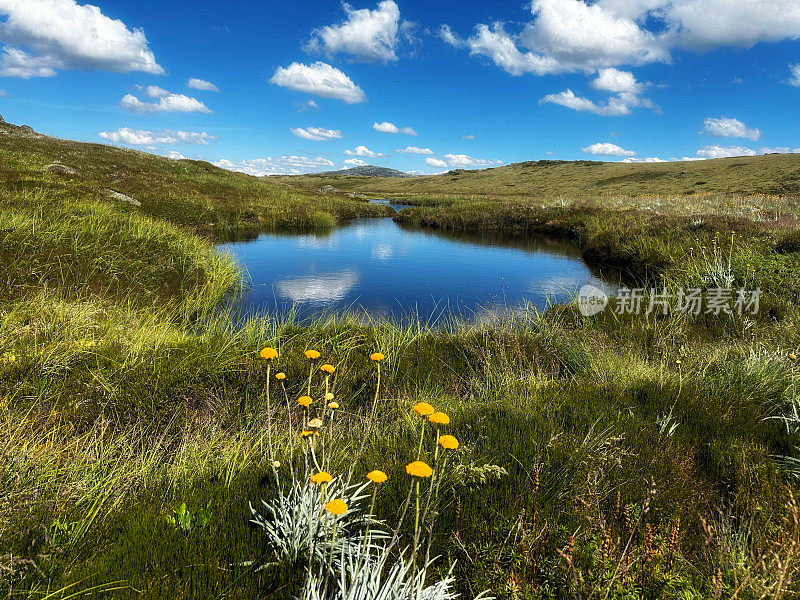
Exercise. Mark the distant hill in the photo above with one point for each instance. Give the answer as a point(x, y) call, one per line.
point(774, 174)
point(368, 171)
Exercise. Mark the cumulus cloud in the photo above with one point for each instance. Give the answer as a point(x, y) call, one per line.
point(353, 162)
point(714, 151)
point(461, 161)
point(175, 155)
point(795, 70)
point(649, 159)
point(579, 36)
point(43, 36)
point(414, 150)
point(363, 151)
point(166, 102)
point(387, 127)
point(166, 137)
point(616, 106)
point(319, 79)
point(779, 150)
point(727, 127)
point(607, 149)
point(366, 35)
point(616, 81)
point(202, 84)
point(283, 165)
point(318, 134)
point(436, 162)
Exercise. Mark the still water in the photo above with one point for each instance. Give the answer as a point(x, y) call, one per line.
point(377, 267)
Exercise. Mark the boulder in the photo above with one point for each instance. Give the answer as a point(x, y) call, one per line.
point(115, 195)
point(357, 195)
point(60, 169)
point(328, 189)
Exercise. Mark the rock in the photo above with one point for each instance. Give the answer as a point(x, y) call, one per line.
point(357, 195)
point(2, 120)
point(115, 195)
point(60, 169)
point(328, 189)
point(26, 129)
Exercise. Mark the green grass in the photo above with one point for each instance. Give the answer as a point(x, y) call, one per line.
point(125, 391)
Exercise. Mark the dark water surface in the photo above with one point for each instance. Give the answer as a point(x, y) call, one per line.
point(377, 266)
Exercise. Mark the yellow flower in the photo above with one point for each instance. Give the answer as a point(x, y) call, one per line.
point(328, 396)
point(280, 375)
point(307, 433)
point(305, 400)
point(336, 507)
point(439, 418)
point(376, 356)
point(377, 476)
point(449, 442)
point(419, 469)
point(333, 405)
point(321, 477)
point(327, 368)
point(312, 354)
point(792, 356)
point(424, 409)
point(268, 353)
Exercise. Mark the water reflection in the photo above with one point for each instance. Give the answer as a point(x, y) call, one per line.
point(391, 271)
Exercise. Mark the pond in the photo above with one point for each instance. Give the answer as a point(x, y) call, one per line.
point(379, 268)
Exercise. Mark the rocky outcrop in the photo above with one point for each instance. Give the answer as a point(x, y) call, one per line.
point(59, 169)
point(119, 196)
point(328, 189)
point(17, 130)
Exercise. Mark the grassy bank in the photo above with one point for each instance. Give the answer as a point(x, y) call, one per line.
point(617, 456)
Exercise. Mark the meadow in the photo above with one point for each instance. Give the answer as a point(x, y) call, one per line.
point(614, 456)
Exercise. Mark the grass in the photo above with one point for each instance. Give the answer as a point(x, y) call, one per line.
point(617, 456)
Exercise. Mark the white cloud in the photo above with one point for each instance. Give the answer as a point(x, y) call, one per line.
point(363, 151)
point(468, 137)
point(386, 127)
point(724, 151)
point(353, 162)
point(579, 36)
point(202, 84)
point(320, 79)
point(414, 150)
point(567, 98)
point(167, 102)
point(795, 70)
point(727, 127)
point(41, 36)
point(607, 149)
point(616, 106)
point(175, 155)
point(461, 161)
point(649, 159)
point(366, 35)
point(318, 134)
point(779, 150)
point(616, 81)
point(284, 165)
point(309, 105)
point(166, 137)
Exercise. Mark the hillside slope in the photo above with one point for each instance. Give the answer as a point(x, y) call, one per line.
point(768, 174)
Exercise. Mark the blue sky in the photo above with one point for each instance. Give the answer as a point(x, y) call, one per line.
point(418, 86)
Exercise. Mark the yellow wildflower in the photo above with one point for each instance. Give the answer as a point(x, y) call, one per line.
point(321, 477)
point(312, 354)
point(377, 476)
point(305, 400)
point(328, 368)
point(280, 375)
point(328, 396)
point(424, 409)
point(333, 405)
point(419, 469)
point(439, 418)
point(336, 507)
point(376, 356)
point(449, 442)
point(268, 353)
